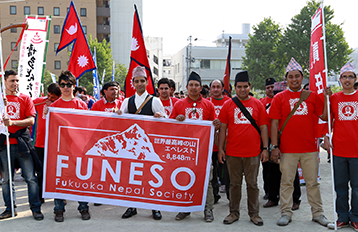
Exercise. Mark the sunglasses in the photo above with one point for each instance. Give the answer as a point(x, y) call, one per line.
point(68, 85)
point(194, 109)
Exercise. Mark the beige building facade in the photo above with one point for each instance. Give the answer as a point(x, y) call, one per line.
point(94, 16)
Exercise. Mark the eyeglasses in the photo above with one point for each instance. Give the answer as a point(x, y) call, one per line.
point(350, 77)
point(68, 85)
point(194, 109)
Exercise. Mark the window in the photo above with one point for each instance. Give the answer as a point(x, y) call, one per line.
point(40, 10)
point(13, 44)
point(56, 29)
point(57, 64)
point(13, 10)
point(205, 64)
point(14, 64)
point(155, 59)
point(83, 12)
point(13, 30)
point(56, 11)
point(155, 71)
point(84, 29)
point(26, 10)
point(56, 46)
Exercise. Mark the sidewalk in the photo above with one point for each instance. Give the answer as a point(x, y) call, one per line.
point(108, 218)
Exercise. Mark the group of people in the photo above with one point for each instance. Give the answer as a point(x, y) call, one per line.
point(278, 131)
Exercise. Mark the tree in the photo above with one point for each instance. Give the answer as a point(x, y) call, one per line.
point(261, 59)
point(296, 40)
point(104, 62)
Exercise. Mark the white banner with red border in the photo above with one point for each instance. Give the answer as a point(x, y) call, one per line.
point(128, 160)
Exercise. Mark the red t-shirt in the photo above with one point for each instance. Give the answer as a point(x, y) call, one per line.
point(41, 122)
point(243, 140)
point(104, 105)
point(218, 104)
point(75, 103)
point(205, 110)
point(266, 101)
point(169, 104)
point(344, 110)
point(19, 108)
point(299, 135)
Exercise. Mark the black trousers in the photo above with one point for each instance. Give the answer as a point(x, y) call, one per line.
point(275, 180)
point(40, 153)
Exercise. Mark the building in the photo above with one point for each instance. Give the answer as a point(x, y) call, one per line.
point(154, 46)
point(122, 12)
point(15, 12)
point(209, 62)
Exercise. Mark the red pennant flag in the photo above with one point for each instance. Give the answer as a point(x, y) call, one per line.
point(138, 58)
point(317, 63)
point(81, 60)
point(228, 71)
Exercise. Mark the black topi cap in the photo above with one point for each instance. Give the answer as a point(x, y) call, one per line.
point(194, 77)
point(242, 77)
point(270, 81)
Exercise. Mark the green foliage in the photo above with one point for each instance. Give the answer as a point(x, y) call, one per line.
point(336, 88)
point(296, 40)
point(261, 53)
point(104, 62)
point(258, 93)
point(46, 81)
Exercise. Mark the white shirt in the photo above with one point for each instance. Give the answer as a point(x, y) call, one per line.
point(157, 105)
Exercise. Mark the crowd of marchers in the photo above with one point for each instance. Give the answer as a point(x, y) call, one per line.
point(278, 131)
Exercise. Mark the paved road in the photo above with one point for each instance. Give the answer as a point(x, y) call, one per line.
point(108, 218)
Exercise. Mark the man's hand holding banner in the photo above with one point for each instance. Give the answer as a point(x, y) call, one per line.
point(127, 160)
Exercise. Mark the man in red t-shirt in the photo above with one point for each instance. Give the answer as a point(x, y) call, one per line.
point(270, 82)
point(41, 103)
point(197, 108)
point(219, 170)
point(20, 115)
point(67, 83)
point(344, 111)
point(297, 144)
point(164, 95)
point(243, 148)
point(109, 103)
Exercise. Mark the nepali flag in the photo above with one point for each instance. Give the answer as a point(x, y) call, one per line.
point(138, 58)
point(81, 60)
point(318, 80)
point(228, 71)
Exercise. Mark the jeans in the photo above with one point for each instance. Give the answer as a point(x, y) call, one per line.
point(27, 167)
point(60, 205)
point(346, 171)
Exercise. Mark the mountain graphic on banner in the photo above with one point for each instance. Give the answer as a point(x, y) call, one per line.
point(132, 143)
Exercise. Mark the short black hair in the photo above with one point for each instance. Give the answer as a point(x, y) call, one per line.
point(54, 88)
point(164, 80)
point(222, 83)
point(109, 84)
point(67, 76)
point(9, 73)
point(172, 84)
point(293, 70)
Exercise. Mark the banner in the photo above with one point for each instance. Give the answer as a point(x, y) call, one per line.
point(96, 88)
point(317, 64)
point(127, 160)
point(139, 57)
point(31, 61)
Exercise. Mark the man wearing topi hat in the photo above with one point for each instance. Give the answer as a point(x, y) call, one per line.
point(197, 108)
point(344, 110)
point(147, 105)
point(297, 143)
point(246, 126)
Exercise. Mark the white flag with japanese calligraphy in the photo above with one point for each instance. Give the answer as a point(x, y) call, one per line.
point(32, 50)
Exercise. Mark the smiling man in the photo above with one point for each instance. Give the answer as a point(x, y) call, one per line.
point(109, 102)
point(297, 143)
point(164, 89)
point(197, 108)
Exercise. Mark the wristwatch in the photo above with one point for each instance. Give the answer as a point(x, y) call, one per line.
point(273, 147)
point(265, 148)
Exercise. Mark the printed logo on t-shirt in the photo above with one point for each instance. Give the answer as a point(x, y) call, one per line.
point(217, 110)
point(43, 112)
point(302, 109)
point(239, 117)
point(110, 110)
point(347, 111)
point(197, 115)
point(168, 109)
point(13, 110)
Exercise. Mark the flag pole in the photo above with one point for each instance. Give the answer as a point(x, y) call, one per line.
point(6, 131)
point(329, 117)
